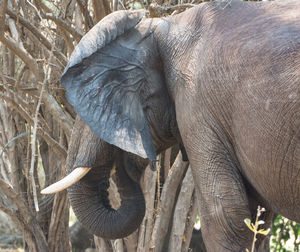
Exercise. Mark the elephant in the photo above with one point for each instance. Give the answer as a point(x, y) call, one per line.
point(223, 80)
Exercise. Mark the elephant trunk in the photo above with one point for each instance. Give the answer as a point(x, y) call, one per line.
point(90, 203)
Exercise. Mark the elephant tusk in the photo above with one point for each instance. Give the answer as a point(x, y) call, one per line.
point(67, 181)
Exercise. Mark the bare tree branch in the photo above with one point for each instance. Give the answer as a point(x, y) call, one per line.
point(42, 6)
point(28, 220)
point(88, 19)
point(65, 120)
point(38, 35)
point(53, 143)
point(31, 38)
point(190, 223)
point(68, 41)
point(102, 245)
point(149, 182)
point(181, 212)
point(167, 162)
point(12, 140)
point(59, 221)
point(34, 131)
point(167, 202)
point(64, 26)
point(101, 9)
point(19, 100)
point(3, 7)
point(23, 55)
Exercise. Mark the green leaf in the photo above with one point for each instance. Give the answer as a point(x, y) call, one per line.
point(249, 224)
point(263, 232)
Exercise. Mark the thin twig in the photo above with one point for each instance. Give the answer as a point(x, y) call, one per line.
point(55, 109)
point(192, 215)
point(167, 200)
point(23, 54)
point(18, 99)
point(87, 18)
point(3, 7)
point(158, 181)
point(38, 4)
point(64, 26)
point(145, 230)
point(27, 219)
point(33, 139)
point(58, 148)
point(44, 41)
point(3, 170)
point(12, 140)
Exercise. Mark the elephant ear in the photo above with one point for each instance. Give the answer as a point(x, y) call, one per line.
point(105, 83)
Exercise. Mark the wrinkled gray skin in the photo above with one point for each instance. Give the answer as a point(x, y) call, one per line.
point(224, 75)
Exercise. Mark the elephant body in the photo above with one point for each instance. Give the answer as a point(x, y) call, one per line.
point(223, 79)
point(237, 104)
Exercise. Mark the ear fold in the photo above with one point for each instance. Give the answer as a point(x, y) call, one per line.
point(105, 84)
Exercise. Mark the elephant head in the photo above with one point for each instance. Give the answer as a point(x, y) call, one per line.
point(115, 82)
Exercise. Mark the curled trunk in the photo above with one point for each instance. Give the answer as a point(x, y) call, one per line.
point(89, 199)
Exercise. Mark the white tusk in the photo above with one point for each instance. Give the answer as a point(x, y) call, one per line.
point(67, 181)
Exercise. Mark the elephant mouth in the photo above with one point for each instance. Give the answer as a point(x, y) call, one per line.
point(67, 181)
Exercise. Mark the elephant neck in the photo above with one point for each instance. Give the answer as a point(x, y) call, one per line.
point(179, 38)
